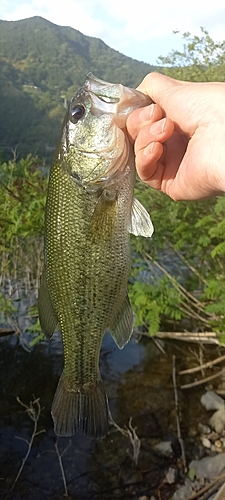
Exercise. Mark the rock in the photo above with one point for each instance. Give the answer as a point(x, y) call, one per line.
point(184, 491)
point(217, 421)
point(204, 429)
point(171, 475)
point(216, 448)
point(205, 442)
point(208, 467)
point(165, 447)
point(213, 436)
point(192, 431)
point(211, 401)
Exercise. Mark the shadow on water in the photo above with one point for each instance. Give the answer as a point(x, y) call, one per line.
point(138, 381)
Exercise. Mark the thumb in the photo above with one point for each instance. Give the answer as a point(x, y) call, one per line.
point(158, 86)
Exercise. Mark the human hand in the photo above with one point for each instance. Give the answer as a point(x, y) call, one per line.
point(180, 140)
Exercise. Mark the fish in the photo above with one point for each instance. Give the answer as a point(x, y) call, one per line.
point(90, 213)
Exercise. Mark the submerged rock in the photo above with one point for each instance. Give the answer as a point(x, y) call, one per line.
point(217, 421)
point(211, 401)
point(171, 475)
point(206, 442)
point(165, 447)
point(208, 467)
point(204, 429)
point(184, 491)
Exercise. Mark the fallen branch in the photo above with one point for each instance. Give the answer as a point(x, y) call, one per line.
point(209, 488)
point(60, 455)
point(189, 297)
point(129, 432)
point(209, 364)
point(204, 337)
point(202, 381)
point(221, 493)
point(177, 414)
point(187, 263)
point(6, 331)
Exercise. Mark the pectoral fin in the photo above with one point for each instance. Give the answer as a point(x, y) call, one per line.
point(48, 318)
point(122, 326)
point(141, 224)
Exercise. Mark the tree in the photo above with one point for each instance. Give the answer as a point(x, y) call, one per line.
point(202, 59)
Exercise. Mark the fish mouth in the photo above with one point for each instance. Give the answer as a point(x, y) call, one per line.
point(115, 99)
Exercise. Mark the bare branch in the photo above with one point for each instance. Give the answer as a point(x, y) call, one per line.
point(60, 455)
point(203, 380)
point(33, 412)
point(221, 493)
point(129, 432)
point(177, 414)
point(181, 256)
point(206, 365)
point(204, 337)
point(189, 297)
point(209, 489)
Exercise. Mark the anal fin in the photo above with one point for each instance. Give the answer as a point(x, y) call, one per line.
point(122, 327)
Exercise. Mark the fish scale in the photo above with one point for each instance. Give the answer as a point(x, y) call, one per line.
point(90, 212)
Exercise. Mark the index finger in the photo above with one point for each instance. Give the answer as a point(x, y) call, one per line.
point(141, 117)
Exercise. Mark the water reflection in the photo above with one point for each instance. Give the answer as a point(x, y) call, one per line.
point(138, 383)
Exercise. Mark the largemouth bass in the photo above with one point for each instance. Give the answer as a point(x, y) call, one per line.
point(90, 211)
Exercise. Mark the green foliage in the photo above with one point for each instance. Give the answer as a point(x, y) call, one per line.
point(37, 331)
point(192, 235)
point(152, 301)
point(22, 203)
point(191, 474)
point(22, 200)
point(214, 296)
point(6, 308)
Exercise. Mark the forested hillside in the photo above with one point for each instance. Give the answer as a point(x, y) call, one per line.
point(41, 66)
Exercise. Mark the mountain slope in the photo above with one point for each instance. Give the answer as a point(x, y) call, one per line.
point(41, 66)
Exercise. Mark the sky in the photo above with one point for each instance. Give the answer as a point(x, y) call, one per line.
point(142, 29)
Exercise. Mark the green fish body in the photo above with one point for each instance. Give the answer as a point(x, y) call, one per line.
point(90, 211)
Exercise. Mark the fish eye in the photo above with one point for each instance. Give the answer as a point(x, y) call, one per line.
point(77, 113)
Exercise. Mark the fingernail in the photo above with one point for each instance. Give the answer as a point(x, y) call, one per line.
point(158, 127)
point(146, 113)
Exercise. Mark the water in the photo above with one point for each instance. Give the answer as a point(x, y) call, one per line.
point(138, 382)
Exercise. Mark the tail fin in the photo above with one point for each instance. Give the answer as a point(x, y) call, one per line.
point(82, 408)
